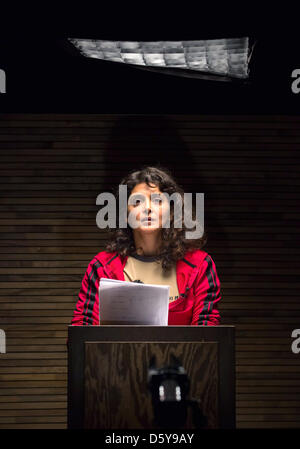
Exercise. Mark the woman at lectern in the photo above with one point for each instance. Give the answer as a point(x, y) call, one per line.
point(155, 246)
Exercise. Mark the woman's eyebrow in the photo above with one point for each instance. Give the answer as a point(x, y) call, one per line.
point(137, 194)
point(145, 193)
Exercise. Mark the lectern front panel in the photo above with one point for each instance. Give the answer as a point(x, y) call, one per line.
point(108, 367)
point(115, 381)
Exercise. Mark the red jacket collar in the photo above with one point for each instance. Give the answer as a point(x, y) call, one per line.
point(186, 268)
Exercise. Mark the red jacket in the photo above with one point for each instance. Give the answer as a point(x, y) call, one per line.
point(197, 280)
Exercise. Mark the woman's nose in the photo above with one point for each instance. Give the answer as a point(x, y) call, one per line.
point(147, 203)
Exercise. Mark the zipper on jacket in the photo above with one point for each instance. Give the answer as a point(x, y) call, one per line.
point(183, 295)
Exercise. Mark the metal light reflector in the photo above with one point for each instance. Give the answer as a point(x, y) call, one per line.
point(219, 57)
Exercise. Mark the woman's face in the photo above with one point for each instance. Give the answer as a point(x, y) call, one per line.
point(149, 213)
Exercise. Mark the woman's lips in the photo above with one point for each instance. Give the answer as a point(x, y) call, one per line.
point(149, 220)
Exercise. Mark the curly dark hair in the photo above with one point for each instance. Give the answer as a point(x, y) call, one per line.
point(174, 243)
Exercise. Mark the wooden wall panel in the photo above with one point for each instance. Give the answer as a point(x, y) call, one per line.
point(52, 169)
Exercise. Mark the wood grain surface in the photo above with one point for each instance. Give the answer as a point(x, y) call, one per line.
point(116, 393)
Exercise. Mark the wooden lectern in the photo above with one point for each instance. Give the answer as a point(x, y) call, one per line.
point(108, 373)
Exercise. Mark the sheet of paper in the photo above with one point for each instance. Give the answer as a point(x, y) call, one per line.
point(123, 302)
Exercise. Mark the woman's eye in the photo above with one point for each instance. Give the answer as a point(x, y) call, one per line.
point(138, 201)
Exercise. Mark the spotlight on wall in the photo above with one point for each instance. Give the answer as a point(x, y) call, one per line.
point(216, 59)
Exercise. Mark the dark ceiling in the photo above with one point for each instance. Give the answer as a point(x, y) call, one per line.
point(45, 73)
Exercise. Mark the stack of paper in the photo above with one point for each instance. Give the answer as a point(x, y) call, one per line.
point(123, 302)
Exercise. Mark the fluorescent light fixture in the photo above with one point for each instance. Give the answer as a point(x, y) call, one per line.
point(216, 58)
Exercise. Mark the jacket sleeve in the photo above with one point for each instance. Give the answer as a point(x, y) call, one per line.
point(87, 307)
point(207, 293)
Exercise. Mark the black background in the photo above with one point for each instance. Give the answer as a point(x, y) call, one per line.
point(47, 74)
